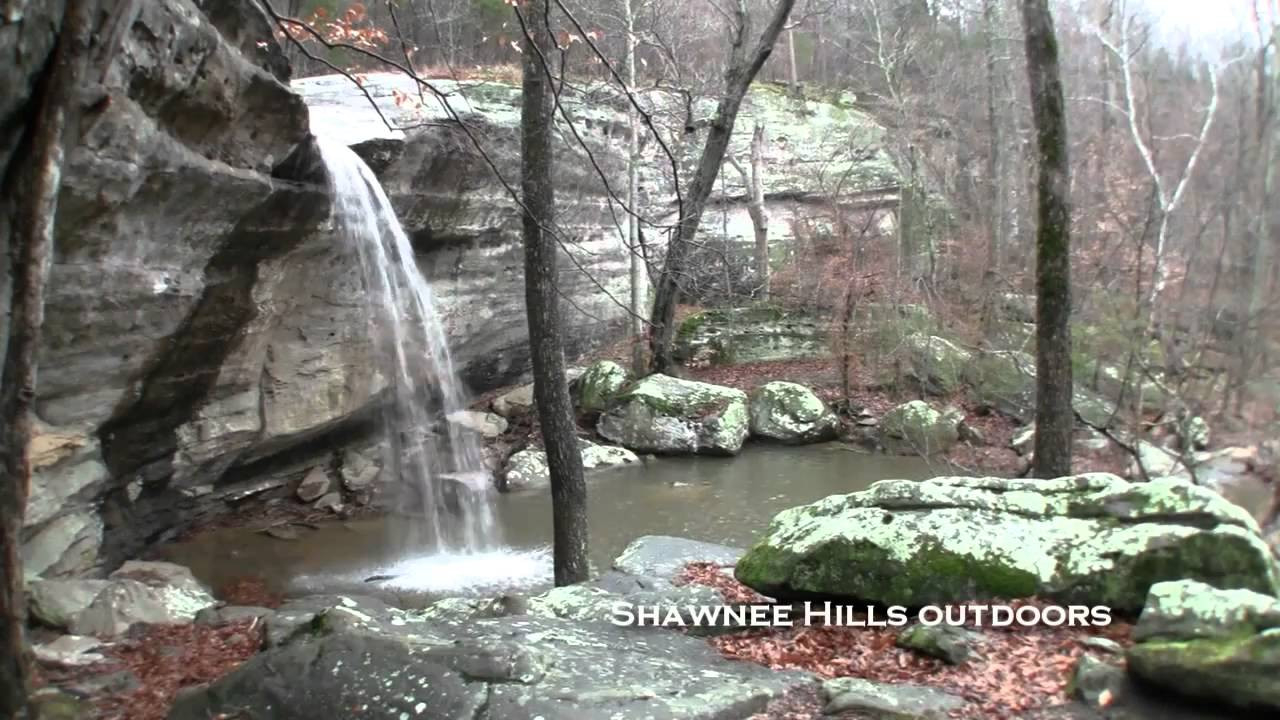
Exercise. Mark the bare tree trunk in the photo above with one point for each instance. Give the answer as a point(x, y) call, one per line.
point(638, 276)
point(1260, 261)
point(30, 202)
point(742, 70)
point(753, 180)
point(792, 75)
point(1054, 415)
point(546, 342)
point(995, 174)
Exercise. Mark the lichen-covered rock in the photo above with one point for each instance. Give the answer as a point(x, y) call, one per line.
point(899, 701)
point(1088, 539)
point(790, 413)
point(528, 468)
point(948, 643)
point(1220, 645)
point(936, 363)
point(599, 385)
point(733, 336)
point(916, 428)
point(667, 415)
point(388, 664)
point(154, 593)
point(1006, 381)
point(1189, 610)
point(1195, 433)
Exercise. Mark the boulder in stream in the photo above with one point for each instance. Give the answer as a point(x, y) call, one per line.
point(527, 469)
point(667, 415)
point(1087, 539)
point(599, 384)
point(664, 557)
point(790, 413)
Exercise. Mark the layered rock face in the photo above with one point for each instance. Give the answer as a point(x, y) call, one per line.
point(206, 335)
point(176, 228)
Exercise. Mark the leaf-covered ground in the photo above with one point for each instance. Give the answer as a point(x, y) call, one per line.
point(145, 669)
point(1015, 672)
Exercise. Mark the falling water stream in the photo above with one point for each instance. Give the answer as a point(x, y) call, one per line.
point(437, 474)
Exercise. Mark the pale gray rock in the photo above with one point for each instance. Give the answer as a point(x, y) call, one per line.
point(667, 415)
point(900, 701)
point(314, 484)
point(662, 556)
point(57, 603)
point(486, 424)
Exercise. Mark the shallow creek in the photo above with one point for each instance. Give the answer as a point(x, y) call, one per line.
point(723, 500)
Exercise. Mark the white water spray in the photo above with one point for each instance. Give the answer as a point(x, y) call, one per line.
point(438, 464)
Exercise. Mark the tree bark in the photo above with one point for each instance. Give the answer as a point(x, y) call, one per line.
point(1054, 415)
point(755, 208)
point(546, 342)
point(995, 174)
point(30, 191)
point(742, 71)
point(638, 275)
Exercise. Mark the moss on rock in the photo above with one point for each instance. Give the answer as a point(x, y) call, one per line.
point(663, 414)
point(790, 413)
point(1091, 539)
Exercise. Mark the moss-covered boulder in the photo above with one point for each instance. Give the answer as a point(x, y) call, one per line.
point(599, 384)
point(935, 363)
point(528, 469)
point(916, 428)
point(667, 415)
point(1220, 645)
point(790, 413)
point(732, 336)
point(1006, 381)
point(1088, 539)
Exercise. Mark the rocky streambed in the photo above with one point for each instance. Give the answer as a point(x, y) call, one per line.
point(1201, 586)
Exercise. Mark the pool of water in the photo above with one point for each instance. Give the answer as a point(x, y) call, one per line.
point(723, 500)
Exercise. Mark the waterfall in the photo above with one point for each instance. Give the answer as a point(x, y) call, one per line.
point(439, 465)
point(451, 543)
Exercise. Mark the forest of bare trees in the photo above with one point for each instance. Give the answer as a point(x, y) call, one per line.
point(1171, 144)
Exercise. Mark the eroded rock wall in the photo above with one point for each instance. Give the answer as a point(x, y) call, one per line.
point(206, 337)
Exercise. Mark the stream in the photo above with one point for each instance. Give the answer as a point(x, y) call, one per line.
point(722, 500)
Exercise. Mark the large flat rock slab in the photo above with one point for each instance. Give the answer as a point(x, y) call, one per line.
point(1087, 539)
point(372, 661)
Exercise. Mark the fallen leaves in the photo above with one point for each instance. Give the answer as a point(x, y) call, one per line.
point(163, 659)
point(1016, 670)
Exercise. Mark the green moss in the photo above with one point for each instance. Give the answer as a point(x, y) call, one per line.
point(1238, 670)
point(863, 570)
point(765, 568)
point(1219, 560)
